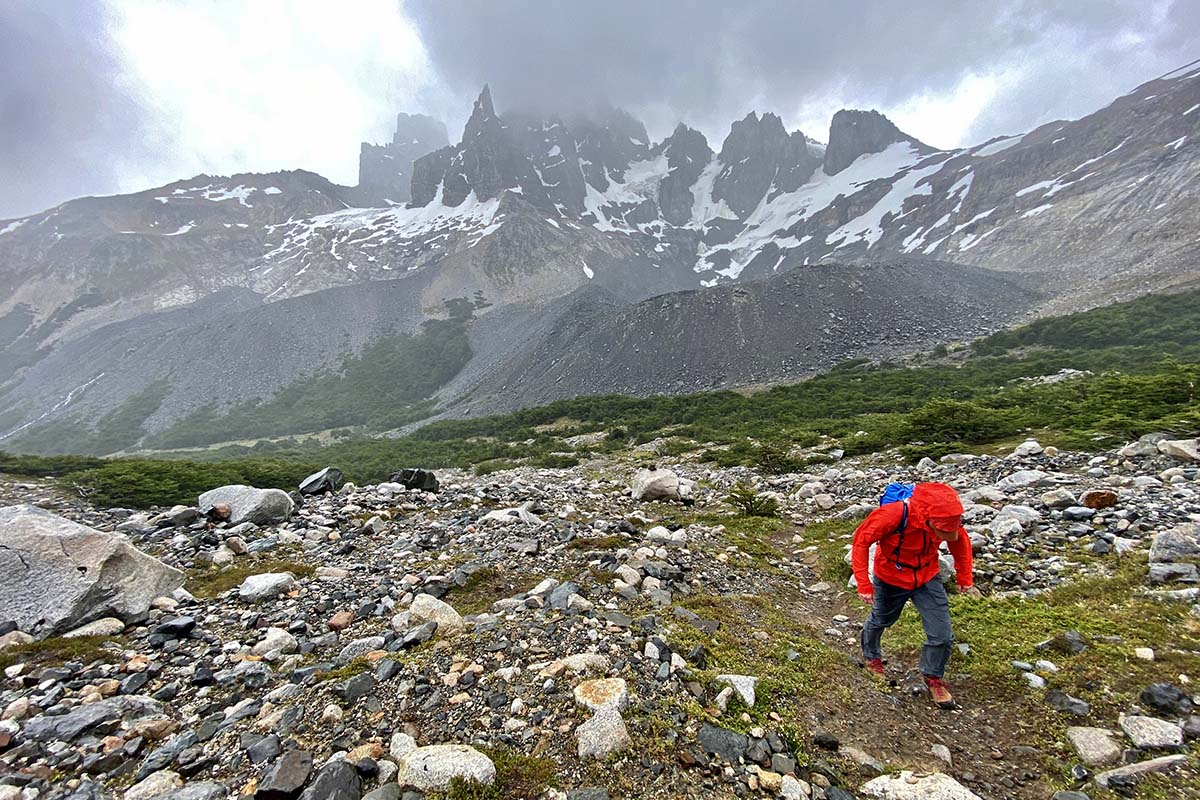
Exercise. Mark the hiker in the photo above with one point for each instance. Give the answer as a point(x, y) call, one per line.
point(909, 526)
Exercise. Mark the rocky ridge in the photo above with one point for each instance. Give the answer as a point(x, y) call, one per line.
point(540, 620)
point(527, 209)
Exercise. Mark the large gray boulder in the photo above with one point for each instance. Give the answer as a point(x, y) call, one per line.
point(660, 484)
point(247, 504)
point(1180, 449)
point(56, 574)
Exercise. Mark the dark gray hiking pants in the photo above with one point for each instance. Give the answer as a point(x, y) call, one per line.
point(934, 606)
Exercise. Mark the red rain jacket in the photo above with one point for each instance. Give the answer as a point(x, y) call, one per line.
point(909, 558)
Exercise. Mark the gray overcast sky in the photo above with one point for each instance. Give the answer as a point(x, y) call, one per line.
point(104, 96)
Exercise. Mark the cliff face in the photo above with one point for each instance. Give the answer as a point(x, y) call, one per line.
point(385, 171)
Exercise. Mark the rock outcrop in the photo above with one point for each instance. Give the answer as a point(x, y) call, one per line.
point(856, 133)
point(385, 171)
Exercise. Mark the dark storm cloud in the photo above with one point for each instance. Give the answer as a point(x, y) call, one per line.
point(65, 125)
point(710, 62)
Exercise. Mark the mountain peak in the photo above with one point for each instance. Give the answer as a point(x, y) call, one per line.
point(757, 153)
point(853, 133)
point(483, 104)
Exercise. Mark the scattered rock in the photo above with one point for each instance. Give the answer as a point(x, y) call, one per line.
point(1135, 771)
point(728, 745)
point(257, 588)
point(743, 685)
point(432, 768)
point(1061, 701)
point(427, 608)
point(247, 504)
point(909, 786)
point(603, 734)
point(1150, 733)
point(1095, 746)
point(423, 480)
point(1180, 449)
point(660, 484)
point(603, 693)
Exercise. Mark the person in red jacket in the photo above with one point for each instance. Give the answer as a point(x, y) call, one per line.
point(906, 567)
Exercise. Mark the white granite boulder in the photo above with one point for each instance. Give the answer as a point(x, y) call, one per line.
point(56, 575)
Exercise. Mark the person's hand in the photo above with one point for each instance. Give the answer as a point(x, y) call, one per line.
point(867, 597)
point(971, 591)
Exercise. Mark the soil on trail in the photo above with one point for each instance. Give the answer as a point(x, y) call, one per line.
point(990, 735)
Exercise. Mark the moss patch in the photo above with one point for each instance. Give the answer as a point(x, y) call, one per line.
point(58, 650)
point(484, 587)
point(518, 776)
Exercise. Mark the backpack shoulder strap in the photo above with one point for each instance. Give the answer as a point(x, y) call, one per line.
point(900, 530)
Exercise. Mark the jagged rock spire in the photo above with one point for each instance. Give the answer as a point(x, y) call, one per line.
point(855, 133)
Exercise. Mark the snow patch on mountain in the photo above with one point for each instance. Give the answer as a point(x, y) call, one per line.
point(774, 215)
point(12, 226)
point(998, 146)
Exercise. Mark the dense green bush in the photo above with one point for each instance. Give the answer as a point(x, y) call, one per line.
point(140, 483)
point(945, 420)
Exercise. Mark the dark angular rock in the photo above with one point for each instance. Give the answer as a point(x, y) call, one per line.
point(558, 598)
point(782, 764)
point(133, 684)
point(1167, 697)
point(201, 790)
point(353, 688)
point(412, 478)
point(1061, 701)
point(418, 635)
point(326, 480)
point(164, 756)
point(588, 794)
point(264, 750)
point(338, 780)
point(65, 727)
point(389, 791)
point(826, 741)
point(759, 751)
point(726, 744)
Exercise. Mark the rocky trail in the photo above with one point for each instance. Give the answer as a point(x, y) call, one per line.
point(609, 630)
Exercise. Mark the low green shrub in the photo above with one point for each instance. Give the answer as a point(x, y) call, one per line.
point(751, 503)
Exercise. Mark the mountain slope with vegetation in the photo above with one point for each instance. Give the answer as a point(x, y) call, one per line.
point(1137, 370)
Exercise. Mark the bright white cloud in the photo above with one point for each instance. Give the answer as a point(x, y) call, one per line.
point(268, 84)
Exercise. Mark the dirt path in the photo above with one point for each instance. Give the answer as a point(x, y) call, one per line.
point(989, 737)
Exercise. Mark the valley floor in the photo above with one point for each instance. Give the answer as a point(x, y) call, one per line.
point(560, 577)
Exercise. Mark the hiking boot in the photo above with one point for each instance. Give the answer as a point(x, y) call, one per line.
point(939, 693)
point(875, 665)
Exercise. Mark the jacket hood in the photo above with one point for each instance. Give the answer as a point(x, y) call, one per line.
point(936, 500)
